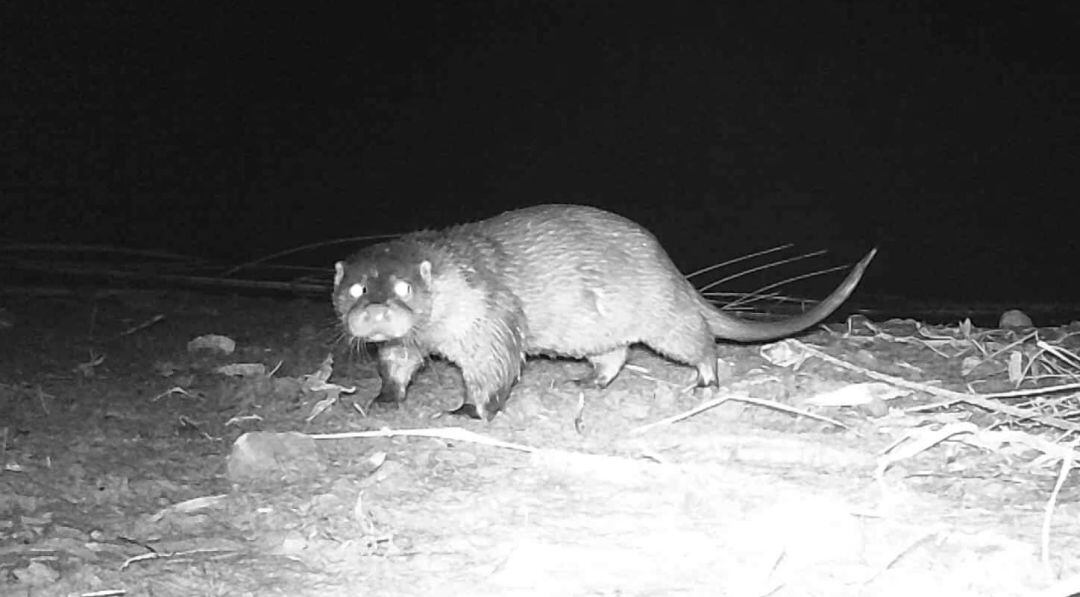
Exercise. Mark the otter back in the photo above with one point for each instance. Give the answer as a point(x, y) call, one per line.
point(563, 280)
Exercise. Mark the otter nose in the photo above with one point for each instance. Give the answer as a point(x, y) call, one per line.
point(377, 314)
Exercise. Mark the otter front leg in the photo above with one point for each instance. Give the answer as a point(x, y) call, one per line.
point(488, 381)
point(397, 364)
point(490, 351)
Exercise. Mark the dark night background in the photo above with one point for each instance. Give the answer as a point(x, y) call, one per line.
point(945, 133)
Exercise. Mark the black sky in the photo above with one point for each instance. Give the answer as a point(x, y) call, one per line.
point(946, 133)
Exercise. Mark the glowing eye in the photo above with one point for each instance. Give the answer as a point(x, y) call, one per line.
point(402, 288)
point(356, 290)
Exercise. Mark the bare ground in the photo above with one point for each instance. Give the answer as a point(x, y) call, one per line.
point(113, 485)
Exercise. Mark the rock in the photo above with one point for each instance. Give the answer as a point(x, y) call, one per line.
point(1015, 318)
point(264, 456)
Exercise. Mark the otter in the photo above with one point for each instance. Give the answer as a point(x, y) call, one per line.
point(558, 280)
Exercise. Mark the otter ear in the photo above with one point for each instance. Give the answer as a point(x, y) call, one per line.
point(425, 271)
point(339, 273)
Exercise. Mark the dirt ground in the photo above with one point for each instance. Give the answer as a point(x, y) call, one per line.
point(122, 474)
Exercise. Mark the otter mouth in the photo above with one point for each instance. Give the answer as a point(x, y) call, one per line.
point(379, 322)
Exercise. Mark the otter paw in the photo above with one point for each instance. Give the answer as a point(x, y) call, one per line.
point(591, 381)
point(390, 395)
point(467, 409)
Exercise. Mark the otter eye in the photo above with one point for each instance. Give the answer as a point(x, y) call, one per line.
point(402, 288)
point(356, 290)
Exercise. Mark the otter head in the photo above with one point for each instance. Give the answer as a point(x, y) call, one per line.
point(381, 294)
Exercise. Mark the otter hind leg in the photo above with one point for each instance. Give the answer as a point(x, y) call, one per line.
point(605, 367)
point(690, 345)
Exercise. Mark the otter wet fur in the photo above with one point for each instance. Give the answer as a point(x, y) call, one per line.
point(559, 280)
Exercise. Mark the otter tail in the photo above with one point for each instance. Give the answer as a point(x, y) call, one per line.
point(728, 327)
